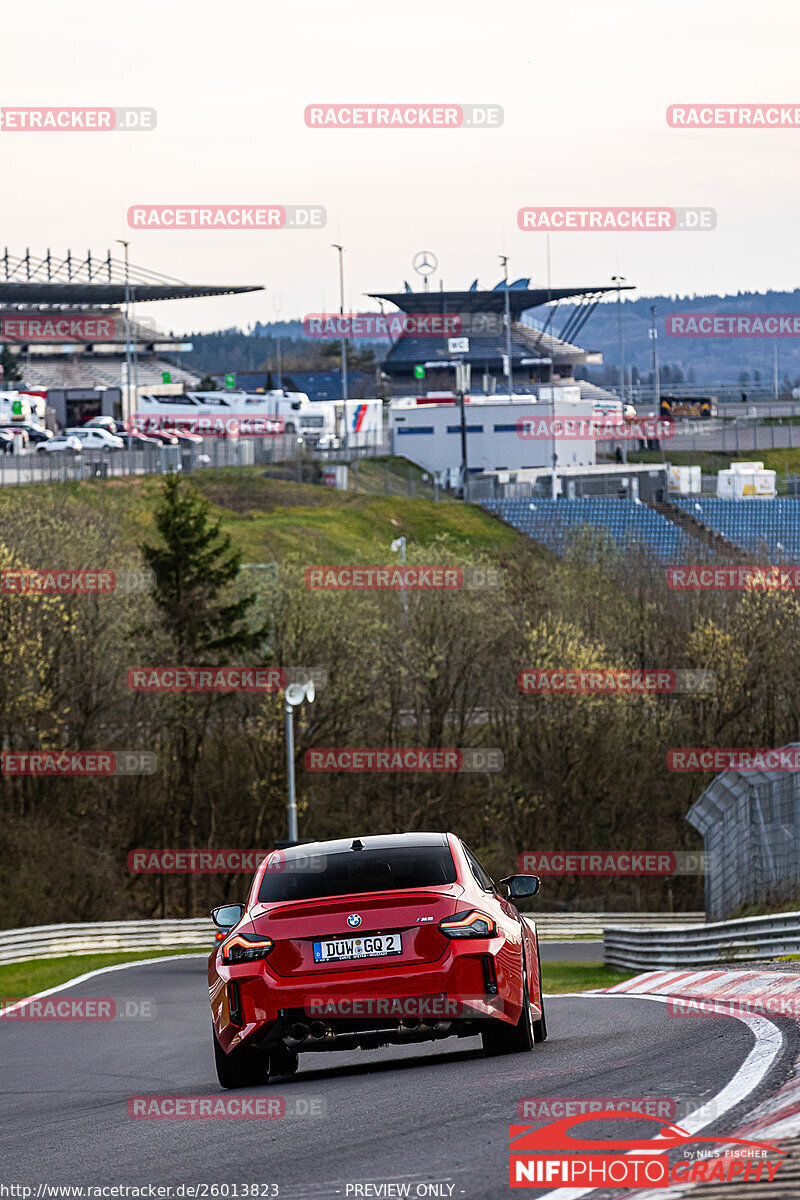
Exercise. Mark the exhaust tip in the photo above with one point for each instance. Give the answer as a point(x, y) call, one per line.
point(299, 1032)
point(318, 1030)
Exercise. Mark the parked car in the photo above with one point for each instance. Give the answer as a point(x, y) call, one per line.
point(96, 438)
point(36, 434)
point(134, 439)
point(6, 441)
point(16, 431)
point(62, 443)
point(163, 436)
point(187, 438)
point(104, 423)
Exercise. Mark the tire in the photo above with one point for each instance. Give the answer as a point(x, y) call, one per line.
point(284, 1060)
point(501, 1038)
point(540, 1026)
point(242, 1068)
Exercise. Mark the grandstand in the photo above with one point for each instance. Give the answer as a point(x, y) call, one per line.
point(626, 523)
point(35, 290)
point(757, 526)
point(539, 354)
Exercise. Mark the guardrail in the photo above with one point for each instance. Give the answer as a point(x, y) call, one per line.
point(563, 926)
point(55, 941)
point(749, 939)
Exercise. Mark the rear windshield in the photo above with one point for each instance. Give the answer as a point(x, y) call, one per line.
point(351, 872)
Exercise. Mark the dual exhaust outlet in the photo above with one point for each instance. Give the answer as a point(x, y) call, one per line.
point(319, 1031)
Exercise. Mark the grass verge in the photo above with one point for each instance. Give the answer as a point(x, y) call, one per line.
point(581, 976)
point(18, 980)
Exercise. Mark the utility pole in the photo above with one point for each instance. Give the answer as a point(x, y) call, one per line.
point(461, 387)
point(619, 280)
point(128, 355)
point(509, 375)
point(344, 343)
point(654, 359)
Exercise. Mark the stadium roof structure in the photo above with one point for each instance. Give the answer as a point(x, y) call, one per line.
point(77, 281)
point(520, 298)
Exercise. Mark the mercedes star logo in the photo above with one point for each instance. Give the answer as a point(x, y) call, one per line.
point(424, 262)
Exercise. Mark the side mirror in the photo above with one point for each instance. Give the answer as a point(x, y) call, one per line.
point(227, 915)
point(520, 886)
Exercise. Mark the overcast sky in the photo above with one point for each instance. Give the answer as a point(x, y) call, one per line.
point(584, 87)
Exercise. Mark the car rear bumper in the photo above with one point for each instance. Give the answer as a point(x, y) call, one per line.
point(342, 1008)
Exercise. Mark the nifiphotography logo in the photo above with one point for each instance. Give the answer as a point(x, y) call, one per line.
point(554, 1156)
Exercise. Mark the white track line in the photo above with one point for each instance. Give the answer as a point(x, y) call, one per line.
point(136, 962)
point(768, 1044)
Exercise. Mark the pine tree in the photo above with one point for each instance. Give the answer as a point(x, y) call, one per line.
point(193, 566)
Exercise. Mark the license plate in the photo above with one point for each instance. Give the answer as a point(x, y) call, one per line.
point(374, 946)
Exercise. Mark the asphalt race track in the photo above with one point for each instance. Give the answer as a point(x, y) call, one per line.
point(588, 951)
point(433, 1114)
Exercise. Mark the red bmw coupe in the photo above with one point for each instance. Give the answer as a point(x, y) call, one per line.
point(369, 942)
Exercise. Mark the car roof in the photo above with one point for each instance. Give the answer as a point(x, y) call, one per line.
point(381, 841)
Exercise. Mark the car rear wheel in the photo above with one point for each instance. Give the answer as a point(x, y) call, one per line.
point(512, 1039)
point(241, 1068)
point(283, 1060)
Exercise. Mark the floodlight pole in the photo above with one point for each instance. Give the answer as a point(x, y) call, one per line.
point(128, 359)
point(509, 374)
point(291, 807)
point(619, 280)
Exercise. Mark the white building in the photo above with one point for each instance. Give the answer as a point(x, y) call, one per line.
point(521, 433)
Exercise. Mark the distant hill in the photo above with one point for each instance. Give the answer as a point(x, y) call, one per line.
point(701, 360)
point(690, 360)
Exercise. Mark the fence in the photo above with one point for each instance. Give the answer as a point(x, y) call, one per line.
point(55, 941)
point(750, 939)
point(750, 824)
point(53, 467)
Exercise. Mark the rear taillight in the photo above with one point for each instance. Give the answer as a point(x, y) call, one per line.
point(471, 924)
point(240, 949)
